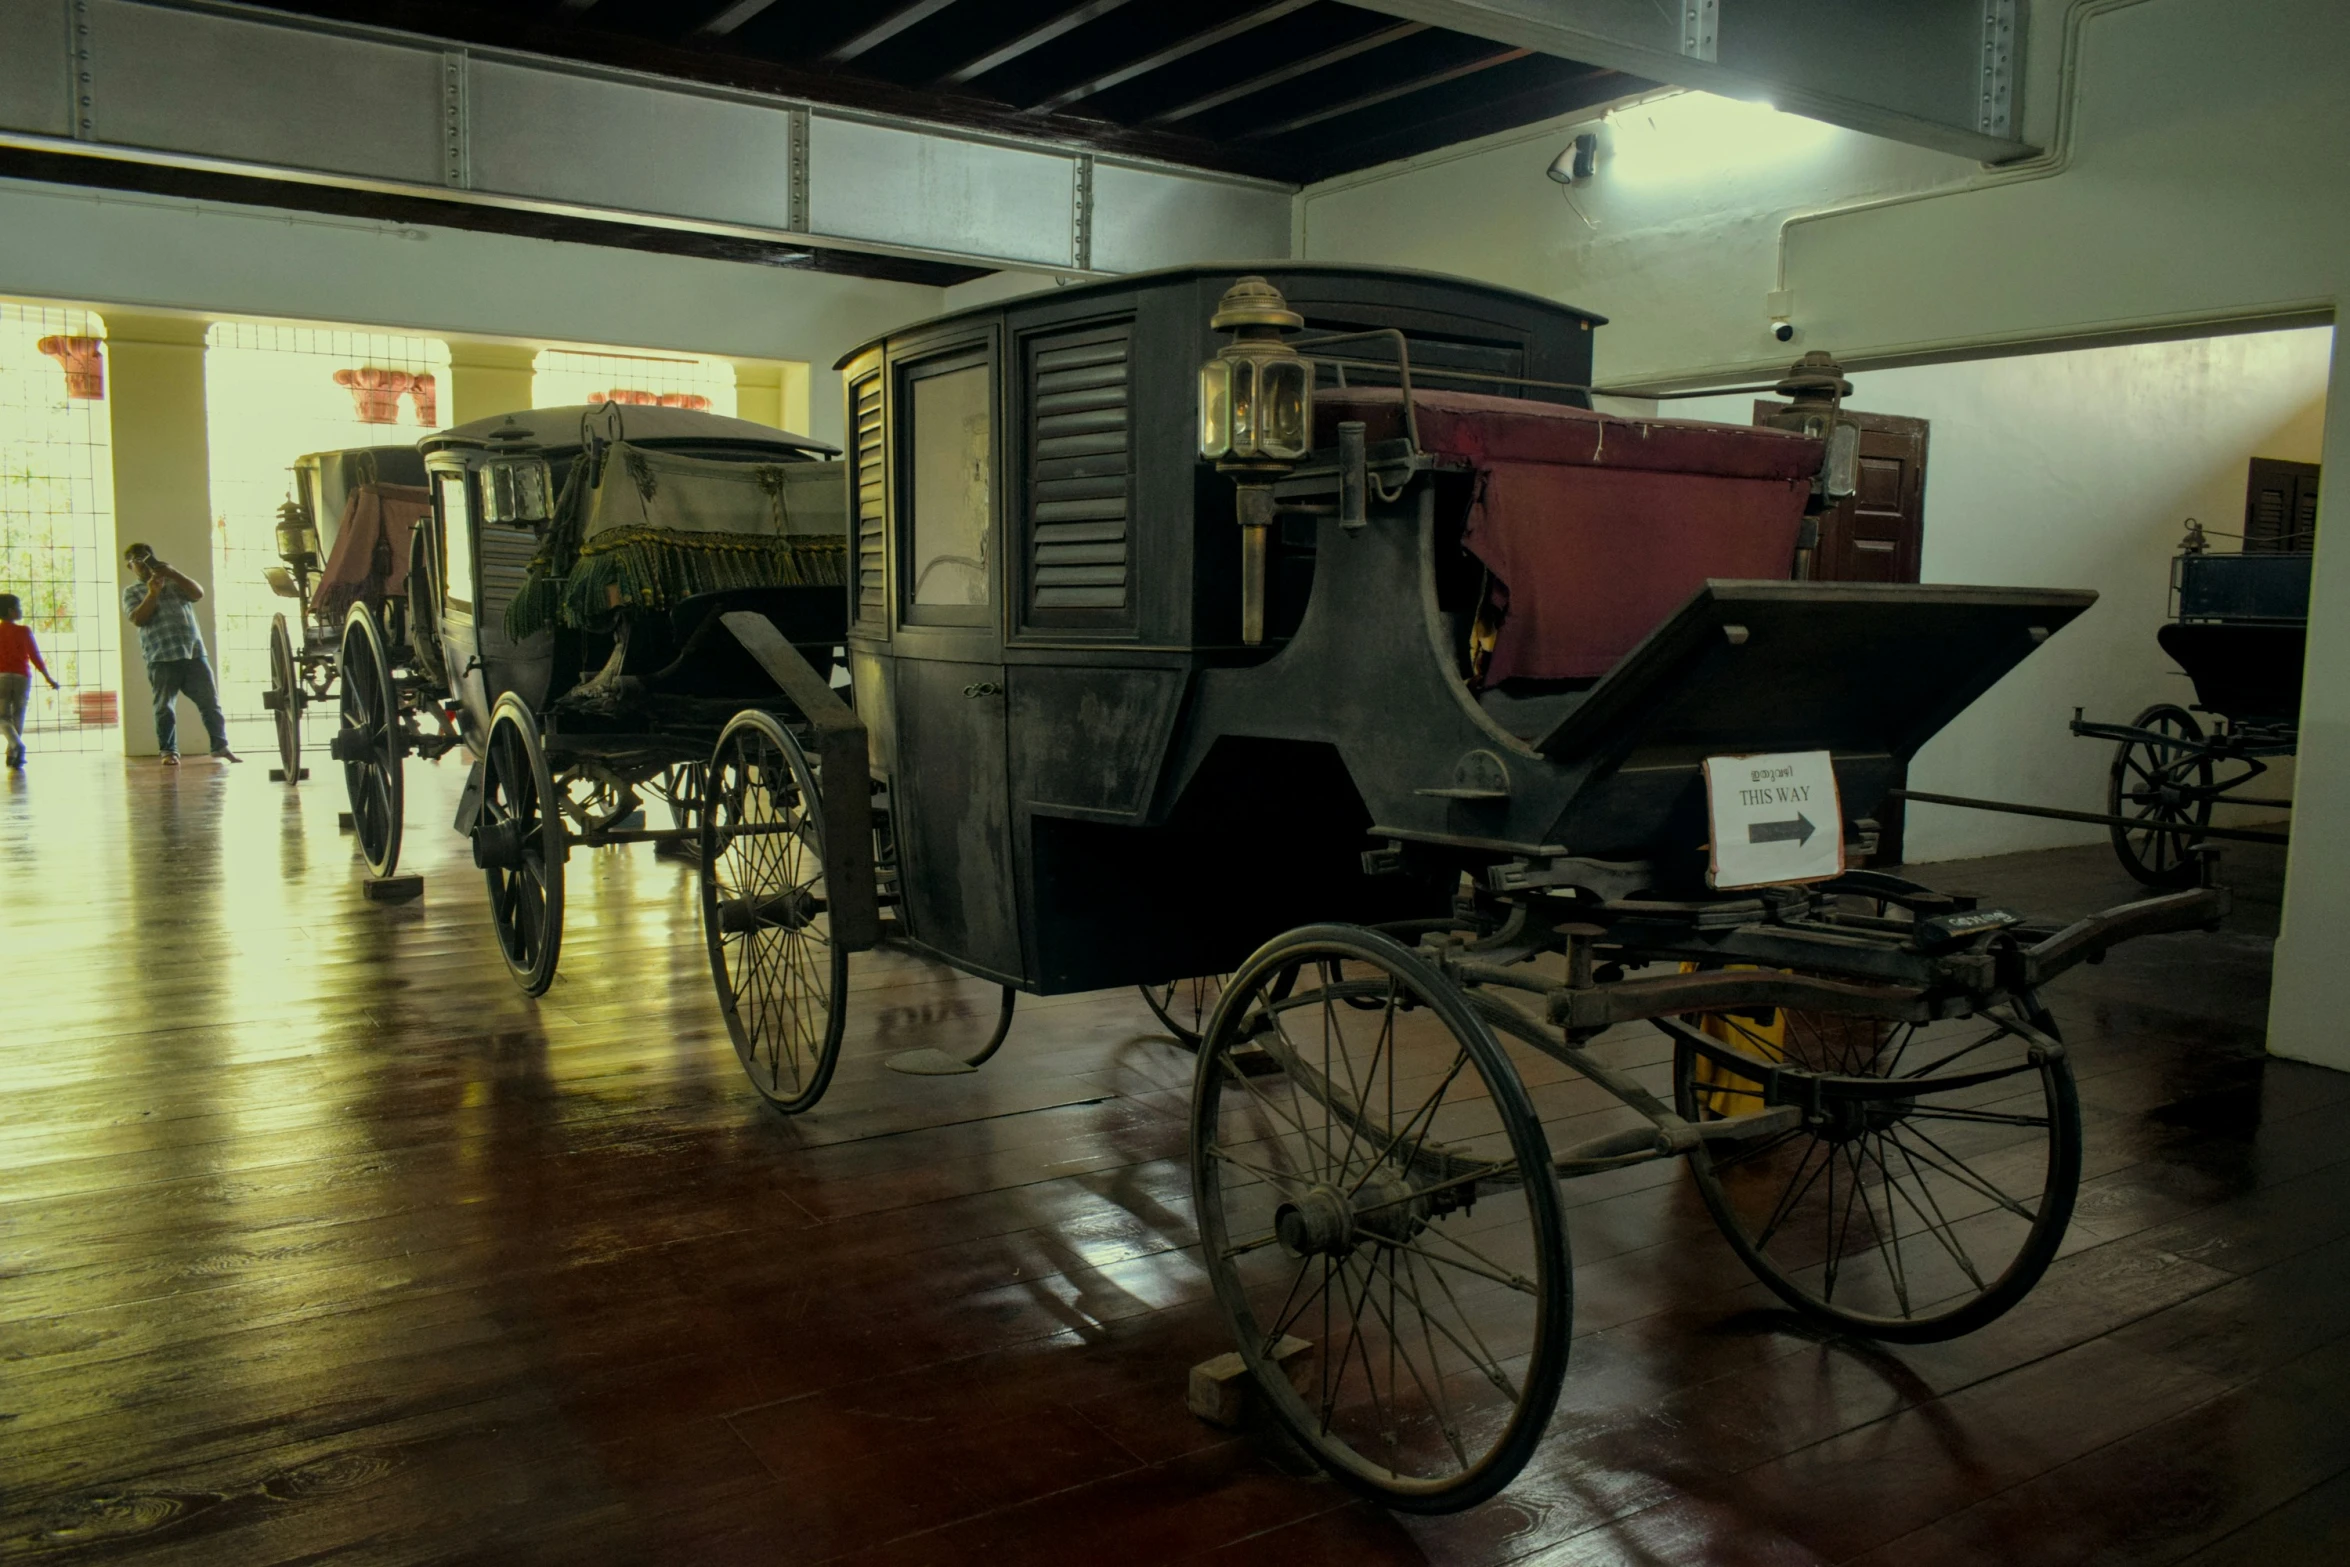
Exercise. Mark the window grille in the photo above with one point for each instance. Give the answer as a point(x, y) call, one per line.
point(57, 519)
point(562, 377)
point(272, 393)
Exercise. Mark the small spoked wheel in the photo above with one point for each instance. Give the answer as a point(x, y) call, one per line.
point(369, 743)
point(1380, 1218)
point(782, 983)
point(2166, 785)
point(1927, 1190)
point(1183, 1006)
point(520, 844)
point(681, 786)
point(284, 699)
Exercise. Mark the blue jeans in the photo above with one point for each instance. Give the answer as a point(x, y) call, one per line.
point(191, 678)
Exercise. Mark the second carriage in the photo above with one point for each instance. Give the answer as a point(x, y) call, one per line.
point(593, 606)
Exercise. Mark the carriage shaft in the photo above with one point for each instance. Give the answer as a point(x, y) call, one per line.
point(2097, 818)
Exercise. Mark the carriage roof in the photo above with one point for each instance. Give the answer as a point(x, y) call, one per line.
point(551, 431)
point(1294, 278)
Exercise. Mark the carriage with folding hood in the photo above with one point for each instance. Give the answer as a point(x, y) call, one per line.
point(591, 595)
point(343, 538)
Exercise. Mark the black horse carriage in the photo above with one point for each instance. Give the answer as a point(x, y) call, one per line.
point(1450, 724)
point(343, 535)
point(2239, 627)
point(589, 603)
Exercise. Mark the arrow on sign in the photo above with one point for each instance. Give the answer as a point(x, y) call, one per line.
point(1798, 831)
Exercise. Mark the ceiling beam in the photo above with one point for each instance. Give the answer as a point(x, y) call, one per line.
point(1246, 22)
point(1290, 72)
point(889, 27)
point(1065, 22)
point(1389, 94)
point(1942, 74)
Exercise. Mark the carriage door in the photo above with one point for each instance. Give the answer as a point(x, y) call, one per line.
point(951, 795)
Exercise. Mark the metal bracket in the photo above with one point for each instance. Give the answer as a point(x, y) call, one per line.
point(1081, 213)
point(456, 136)
point(1701, 27)
point(1613, 880)
point(81, 71)
point(1995, 114)
point(797, 214)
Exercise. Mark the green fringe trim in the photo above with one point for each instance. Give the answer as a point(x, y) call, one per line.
point(655, 568)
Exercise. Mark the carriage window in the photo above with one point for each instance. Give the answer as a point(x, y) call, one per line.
point(457, 535)
point(952, 473)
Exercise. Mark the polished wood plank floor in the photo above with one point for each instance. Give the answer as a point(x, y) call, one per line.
point(318, 1242)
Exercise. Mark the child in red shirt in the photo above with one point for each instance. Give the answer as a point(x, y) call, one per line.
point(20, 655)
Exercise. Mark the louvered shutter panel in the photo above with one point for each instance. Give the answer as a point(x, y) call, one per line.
point(1080, 475)
point(872, 594)
point(2280, 507)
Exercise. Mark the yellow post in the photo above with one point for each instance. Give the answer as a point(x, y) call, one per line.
point(487, 379)
point(772, 392)
point(162, 481)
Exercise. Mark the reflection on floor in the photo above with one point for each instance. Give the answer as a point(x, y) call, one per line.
point(318, 1241)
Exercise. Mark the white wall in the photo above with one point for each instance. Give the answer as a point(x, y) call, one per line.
point(2077, 470)
point(157, 252)
point(2198, 173)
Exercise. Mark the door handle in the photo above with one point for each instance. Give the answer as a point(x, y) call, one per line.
point(980, 688)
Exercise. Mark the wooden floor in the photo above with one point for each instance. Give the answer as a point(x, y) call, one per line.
point(318, 1242)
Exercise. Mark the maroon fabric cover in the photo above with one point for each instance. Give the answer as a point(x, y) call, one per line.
point(356, 569)
point(1597, 527)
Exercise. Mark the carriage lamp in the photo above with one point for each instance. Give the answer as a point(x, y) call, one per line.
point(297, 538)
point(517, 490)
point(1256, 421)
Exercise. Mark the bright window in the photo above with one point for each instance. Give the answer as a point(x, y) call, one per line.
point(57, 518)
point(272, 394)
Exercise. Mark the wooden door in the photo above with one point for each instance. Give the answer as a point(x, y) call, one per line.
point(2280, 507)
point(1877, 533)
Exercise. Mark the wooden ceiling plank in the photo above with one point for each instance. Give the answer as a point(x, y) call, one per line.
point(1387, 94)
point(889, 27)
point(1037, 37)
point(724, 22)
point(1290, 72)
point(1181, 49)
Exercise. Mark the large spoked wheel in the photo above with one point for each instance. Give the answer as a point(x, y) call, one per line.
point(368, 744)
point(284, 700)
point(2165, 784)
point(1927, 1192)
point(1371, 1179)
point(782, 983)
point(1183, 1006)
point(520, 844)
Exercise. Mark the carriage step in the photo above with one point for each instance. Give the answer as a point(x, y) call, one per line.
point(392, 889)
point(278, 775)
point(928, 1062)
point(1223, 1394)
point(343, 822)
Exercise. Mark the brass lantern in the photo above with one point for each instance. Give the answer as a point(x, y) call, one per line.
point(1256, 397)
point(1256, 419)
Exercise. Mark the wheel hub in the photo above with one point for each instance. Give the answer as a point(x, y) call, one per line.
point(1843, 1120)
point(497, 846)
point(1318, 1223)
point(352, 745)
point(1325, 1221)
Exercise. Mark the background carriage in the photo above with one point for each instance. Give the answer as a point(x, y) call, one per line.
point(2239, 627)
point(344, 537)
point(1422, 717)
point(569, 608)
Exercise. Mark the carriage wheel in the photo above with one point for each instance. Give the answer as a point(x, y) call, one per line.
point(782, 984)
point(284, 700)
point(1927, 1193)
point(520, 844)
point(2166, 785)
point(1375, 1182)
point(682, 787)
point(369, 743)
point(1183, 1006)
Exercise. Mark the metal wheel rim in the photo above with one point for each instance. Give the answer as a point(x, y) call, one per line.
point(1457, 1362)
point(526, 899)
point(1950, 1211)
point(284, 686)
point(2156, 853)
point(782, 983)
point(370, 707)
point(1183, 1006)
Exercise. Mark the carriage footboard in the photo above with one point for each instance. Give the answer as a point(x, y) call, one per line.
point(844, 776)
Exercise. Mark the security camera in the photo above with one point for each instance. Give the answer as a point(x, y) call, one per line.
point(1783, 329)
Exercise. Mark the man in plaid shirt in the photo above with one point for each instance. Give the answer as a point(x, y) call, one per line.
point(161, 604)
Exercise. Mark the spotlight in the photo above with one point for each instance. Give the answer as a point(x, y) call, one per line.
point(1577, 162)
